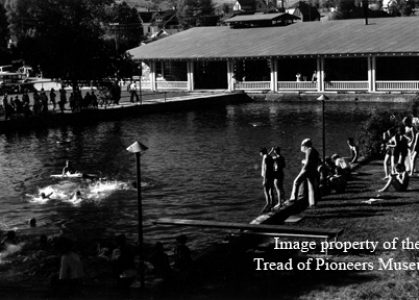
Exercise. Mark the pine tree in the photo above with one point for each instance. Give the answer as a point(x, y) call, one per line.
point(186, 13)
point(195, 12)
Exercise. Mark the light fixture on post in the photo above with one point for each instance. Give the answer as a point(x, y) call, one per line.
point(323, 98)
point(138, 149)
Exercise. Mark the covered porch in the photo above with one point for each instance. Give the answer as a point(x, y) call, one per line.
point(334, 56)
point(364, 73)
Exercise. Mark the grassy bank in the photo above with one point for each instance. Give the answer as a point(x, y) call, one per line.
point(394, 215)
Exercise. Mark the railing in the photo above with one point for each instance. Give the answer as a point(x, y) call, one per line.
point(172, 85)
point(346, 85)
point(145, 85)
point(407, 85)
point(297, 86)
point(252, 85)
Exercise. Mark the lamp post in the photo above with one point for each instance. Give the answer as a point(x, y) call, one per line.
point(139, 148)
point(322, 98)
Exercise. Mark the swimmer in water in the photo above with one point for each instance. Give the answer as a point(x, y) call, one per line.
point(77, 194)
point(76, 197)
point(44, 196)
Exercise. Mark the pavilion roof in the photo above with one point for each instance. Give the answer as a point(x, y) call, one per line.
point(383, 36)
point(255, 17)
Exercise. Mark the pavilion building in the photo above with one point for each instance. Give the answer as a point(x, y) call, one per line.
point(331, 56)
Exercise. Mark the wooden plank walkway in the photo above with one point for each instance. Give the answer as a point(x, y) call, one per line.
point(284, 229)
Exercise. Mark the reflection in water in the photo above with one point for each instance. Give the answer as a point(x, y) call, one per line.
point(201, 164)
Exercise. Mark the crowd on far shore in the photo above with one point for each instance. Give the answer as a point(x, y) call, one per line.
point(43, 102)
point(15, 106)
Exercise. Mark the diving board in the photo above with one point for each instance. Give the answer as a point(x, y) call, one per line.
point(264, 228)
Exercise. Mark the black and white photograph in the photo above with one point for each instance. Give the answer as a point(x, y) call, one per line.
point(209, 149)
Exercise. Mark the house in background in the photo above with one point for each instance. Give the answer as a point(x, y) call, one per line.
point(146, 18)
point(160, 24)
point(261, 20)
point(223, 7)
point(163, 23)
point(250, 6)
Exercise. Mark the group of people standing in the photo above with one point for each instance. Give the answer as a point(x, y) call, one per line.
point(13, 107)
point(401, 147)
point(316, 176)
point(273, 164)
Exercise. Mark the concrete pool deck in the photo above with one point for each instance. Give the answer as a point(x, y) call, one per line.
point(393, 97)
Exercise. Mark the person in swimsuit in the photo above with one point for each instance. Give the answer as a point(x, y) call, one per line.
point(308, 172)
point(341, 165)
point(353, 149)
point(399, 180)
point(400, 144)
point(388, 151)
point(410, 133)
point(267, 173)
point(279, 165)
point(415, 151)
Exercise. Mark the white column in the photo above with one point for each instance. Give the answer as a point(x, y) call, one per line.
point(274, 75)
point(190, 70)
point(373, 73)
point(369, 74)
point(230, 75)
point(320, 74)
point(153, 76)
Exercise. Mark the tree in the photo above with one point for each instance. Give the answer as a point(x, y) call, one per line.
point(205, 13)
point(405, 8)
point(125, 27)
point(205, 8)
point(226, 9)
point(186, 13)
point(345, 8)
point(4, 35)
point(62, 37)
point(195, 12)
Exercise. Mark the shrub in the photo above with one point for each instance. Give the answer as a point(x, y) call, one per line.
point(371, 140)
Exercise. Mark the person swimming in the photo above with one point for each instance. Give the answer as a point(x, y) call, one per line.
point(45, 196)
point(76, 197)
